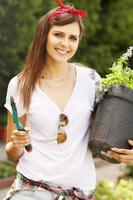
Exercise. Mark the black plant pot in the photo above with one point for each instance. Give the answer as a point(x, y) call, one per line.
point(113, 125)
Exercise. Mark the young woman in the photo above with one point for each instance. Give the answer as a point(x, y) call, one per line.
point(55, 99)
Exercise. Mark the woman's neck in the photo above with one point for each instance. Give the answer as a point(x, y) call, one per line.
point(55, 70)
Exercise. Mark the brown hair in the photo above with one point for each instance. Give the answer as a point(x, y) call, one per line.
point(36, 55)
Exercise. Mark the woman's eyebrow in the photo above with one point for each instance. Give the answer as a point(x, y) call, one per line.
point(75, 36)
point(64, 34)
point(58, 32)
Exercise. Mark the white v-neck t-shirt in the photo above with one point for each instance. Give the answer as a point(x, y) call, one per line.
point(69, 164)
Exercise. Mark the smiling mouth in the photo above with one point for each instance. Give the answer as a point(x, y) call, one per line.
point(61, 51)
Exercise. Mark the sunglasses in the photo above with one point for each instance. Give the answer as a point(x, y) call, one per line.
point(63, 121)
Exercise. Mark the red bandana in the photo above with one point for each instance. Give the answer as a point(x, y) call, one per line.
point(65, 8)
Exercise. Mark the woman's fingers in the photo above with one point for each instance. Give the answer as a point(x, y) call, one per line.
point(130, 142)
point(20, 143)
point(124, 158)
point(122, 155)
point(123, 151)
point(20, 138)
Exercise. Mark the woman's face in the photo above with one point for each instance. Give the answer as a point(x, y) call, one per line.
point(62, 42)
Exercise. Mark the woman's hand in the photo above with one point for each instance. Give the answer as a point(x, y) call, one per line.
point(15, 146)
point(20, 138)
point(16, 140)
point(122, 155)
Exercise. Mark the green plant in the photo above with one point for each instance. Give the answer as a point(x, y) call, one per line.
point(3, 119)
point(121, 74)
point(7, 169)
point(108, 190)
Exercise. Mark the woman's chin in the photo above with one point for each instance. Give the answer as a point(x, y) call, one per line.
point(61, 59)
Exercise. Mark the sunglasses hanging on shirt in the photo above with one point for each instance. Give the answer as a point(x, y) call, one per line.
point(63, 121)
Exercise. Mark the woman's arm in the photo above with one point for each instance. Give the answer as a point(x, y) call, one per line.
point(122, 155)
point(16, 140)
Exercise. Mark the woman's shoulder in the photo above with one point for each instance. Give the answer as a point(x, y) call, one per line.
point(14, 79)
point(83, 67)
point(13, 83)
point(92, 73)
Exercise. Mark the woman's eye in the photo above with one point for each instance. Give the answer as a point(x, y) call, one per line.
point(73, 38)
point(58, 35)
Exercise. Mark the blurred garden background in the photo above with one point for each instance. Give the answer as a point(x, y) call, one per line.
point(108, 34)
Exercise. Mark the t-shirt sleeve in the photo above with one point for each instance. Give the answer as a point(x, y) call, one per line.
point(13, 91)
point(98, 87)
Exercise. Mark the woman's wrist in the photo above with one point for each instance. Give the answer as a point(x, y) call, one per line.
point(14, 153)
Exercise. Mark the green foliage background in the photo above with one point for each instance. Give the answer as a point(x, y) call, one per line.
point(108, 190)
point(108, 33)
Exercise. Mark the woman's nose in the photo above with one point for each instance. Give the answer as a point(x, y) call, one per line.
point(65, 42)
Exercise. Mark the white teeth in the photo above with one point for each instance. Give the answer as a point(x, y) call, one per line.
point(63, 52)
